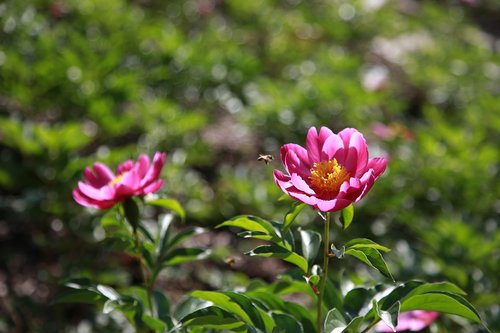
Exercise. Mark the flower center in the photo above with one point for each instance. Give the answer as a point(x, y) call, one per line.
point(116, 180)
point(327, 177)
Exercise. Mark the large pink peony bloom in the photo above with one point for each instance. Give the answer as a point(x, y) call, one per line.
point(103, 189)
point(413, 321)
point(333, 172)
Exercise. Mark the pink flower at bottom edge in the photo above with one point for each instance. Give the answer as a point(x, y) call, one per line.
point(103, 189)
point(413, 321)
point(332, 172)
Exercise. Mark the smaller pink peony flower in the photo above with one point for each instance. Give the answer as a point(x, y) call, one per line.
point(413, 321)
point(332, 172)
point(103, 189)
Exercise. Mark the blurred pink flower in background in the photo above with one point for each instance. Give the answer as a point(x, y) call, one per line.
point(413, 321)
point(332, 172)
point(102, 189)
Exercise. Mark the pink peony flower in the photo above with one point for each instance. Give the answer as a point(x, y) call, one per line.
point(103, 189)
point(333, 172)
point(413, 321)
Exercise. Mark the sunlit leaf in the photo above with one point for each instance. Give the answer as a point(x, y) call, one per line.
point(441, 302)
point(170, 204)
point(334, 322)
point(372, 258)
point(281, 253)
point(346, 216)
point(311, 242)
point(358, 243)
point(292, 214)
point(250, 223)
point(182, 255)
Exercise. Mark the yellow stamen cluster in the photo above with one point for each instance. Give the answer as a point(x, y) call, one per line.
point(327, 177)
point(116, 180)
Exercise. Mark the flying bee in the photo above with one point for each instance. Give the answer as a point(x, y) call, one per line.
point(265, 158)
point(230, 261)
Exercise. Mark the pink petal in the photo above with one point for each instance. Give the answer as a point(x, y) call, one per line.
point(378, 164)
point(309, 200)
point(130, 184)
point(359, 149)
point(346, 135)
point(83, 200)
point(333, 148)
point(103, 193)
point(332, 205)
point(125, 166)
point(301, 184)
point(91, 178)
point(142, 165)
point(103, 173)
point(368, 179)
point(295, 159)
point(153, 187)
point(282, 180)
point(315, 142)
point(155, 169)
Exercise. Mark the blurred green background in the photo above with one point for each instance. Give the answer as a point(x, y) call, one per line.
point(216, 82)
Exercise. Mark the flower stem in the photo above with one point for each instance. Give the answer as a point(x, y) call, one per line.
point(148, 284)
point(324, 276)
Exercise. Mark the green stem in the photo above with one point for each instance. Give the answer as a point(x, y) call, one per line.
point(324, 276)
point(148, 284)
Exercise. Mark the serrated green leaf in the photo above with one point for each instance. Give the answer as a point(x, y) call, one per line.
point(292, 214)
point(335, 322)
point(281, 253)
point(170, 204)
point(346, 216)
point(153, 323)
point(358, 243)
point(371, 257)
point(441, 302)
point(311, 242)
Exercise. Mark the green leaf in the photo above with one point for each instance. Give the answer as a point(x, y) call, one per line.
point(311, 241)
point(438, 286)
point(79, 296)
point(161, 308)
point(281, 253)
point(258, 235)
point(292, 214)
point(359, 243)
point(346, 216)
point(354, 324)
point(189, 305)
point(213, 317)
point(170, 204)
point(237, 304)
point(131, 212)
point(184, 234)
point(153, 323)
point(390, 317)
point(334, 322)
point(182, 255)
point(285, 323)
point(371, 257)
point(358, 300)
point(441, 302)
point(250, 223)
point(163, 233)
